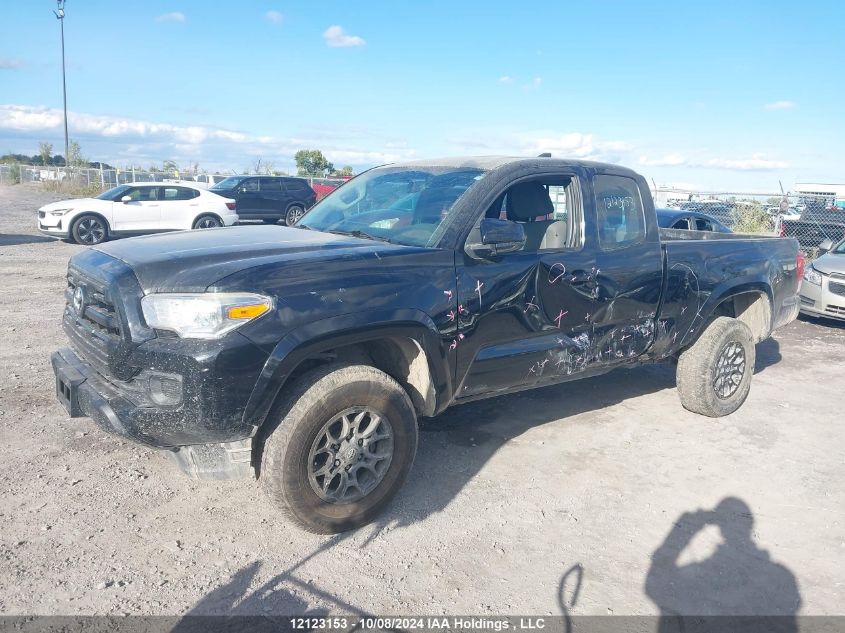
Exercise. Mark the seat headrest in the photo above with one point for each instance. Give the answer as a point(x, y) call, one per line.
point(528, 200)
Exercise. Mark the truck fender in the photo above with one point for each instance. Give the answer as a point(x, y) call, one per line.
point(729, 290)
point(315, 338)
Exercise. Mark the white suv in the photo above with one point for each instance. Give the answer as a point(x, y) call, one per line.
point(135, 209)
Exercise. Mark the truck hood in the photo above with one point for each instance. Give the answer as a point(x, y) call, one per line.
point(191, 261)
point(830, 263)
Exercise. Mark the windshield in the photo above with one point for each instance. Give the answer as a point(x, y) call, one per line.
point(404, 205)
point(113, 193)
point(228, 183)
point(839, 249)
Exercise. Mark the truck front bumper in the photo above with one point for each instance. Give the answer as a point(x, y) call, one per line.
point(85, 393)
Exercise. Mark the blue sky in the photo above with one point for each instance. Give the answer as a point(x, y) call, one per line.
point(716, 95)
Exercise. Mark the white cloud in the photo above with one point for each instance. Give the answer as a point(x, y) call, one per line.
point(575, 145)
point(173, 16)
point(506, 79)
point(669, 160)
point(10, 63)
point(336, 37)
point(274, 17)
point(780, 105)
point(758, 162)
point(117, 139)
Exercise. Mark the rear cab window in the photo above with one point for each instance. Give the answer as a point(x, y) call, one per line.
point(619, 210)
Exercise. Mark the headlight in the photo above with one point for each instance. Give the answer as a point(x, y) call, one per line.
point(207, 315)
point(59, 212)
point(813, 276)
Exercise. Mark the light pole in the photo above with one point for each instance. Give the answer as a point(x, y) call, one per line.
point(60, 16)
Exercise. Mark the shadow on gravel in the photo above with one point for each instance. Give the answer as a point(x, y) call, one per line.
point(822, 321)
point(7, 239)
point(768, 354)
point(456, 445)
point(739, 579)
point(257, 608)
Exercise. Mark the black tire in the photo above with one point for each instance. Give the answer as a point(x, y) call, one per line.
point(207, 222)
point(89, 230)
point(294, 213)
point(298, 423)
point(714, 374)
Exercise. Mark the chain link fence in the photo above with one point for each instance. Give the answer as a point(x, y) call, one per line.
point(89, 178)
point(810, 218)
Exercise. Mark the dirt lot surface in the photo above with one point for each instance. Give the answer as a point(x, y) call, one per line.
point(518, 504)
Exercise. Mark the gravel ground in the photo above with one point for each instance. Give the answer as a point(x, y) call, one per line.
point(520, 504)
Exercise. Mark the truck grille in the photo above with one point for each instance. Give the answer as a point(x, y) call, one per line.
point(91, 320)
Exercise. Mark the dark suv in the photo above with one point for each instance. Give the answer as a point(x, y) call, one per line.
point(268, 198)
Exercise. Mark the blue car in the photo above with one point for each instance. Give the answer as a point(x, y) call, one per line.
point(689, 221)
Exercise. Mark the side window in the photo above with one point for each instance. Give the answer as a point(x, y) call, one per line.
point(142, 194)
point(202, 178)
point(186, 193)
point(250, 185)
point(621, 221)
point(170, 193)
point(270, 185)
point(683, 223)
point(295, 186)
point(549, 210)
point(703, 225)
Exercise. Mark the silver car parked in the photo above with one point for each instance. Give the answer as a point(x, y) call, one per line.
point(823, 286)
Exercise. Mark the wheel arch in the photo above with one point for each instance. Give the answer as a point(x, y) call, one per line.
point(752, 303)
point(411, 352)
point(213, 214)
point(78, 216)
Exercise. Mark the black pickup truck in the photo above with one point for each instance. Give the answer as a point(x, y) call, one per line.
point(304, 355)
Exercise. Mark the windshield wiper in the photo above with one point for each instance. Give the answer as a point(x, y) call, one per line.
point(361, 234)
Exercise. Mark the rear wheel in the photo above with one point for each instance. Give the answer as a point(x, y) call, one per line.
point(207, 222)
point(89, 230)
point(714, 374)
point(341, 446)
point(294, 214)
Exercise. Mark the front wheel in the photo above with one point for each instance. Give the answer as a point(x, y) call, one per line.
point(294, 214)
point(89, 230)
point(207, 222)
point(714, 374)
point(341, 445)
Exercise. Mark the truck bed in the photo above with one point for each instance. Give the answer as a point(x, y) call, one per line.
point(696, 275)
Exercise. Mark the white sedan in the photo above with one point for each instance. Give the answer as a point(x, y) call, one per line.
point(136, 209)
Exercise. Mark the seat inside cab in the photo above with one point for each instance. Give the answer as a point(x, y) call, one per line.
point(544, 221)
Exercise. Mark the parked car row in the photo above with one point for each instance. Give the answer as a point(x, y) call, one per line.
point(151, 207)
point(268, 198)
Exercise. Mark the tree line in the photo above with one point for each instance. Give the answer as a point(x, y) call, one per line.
point(309, 162)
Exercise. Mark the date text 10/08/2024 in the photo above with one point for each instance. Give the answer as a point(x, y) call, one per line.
point(433, 623)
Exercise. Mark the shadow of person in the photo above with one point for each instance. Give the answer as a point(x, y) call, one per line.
point(738, 580)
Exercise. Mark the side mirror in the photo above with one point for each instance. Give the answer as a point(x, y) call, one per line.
point(126, 199)
point(494, 237)
point(825, 246)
